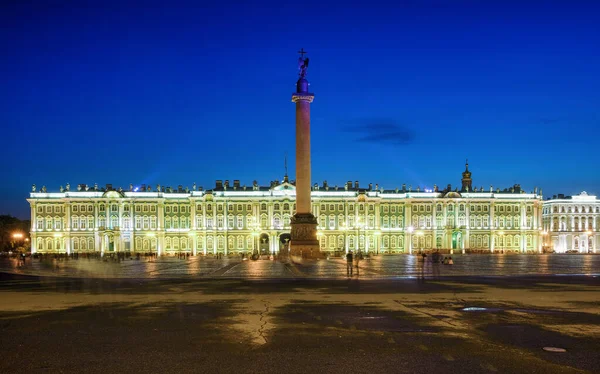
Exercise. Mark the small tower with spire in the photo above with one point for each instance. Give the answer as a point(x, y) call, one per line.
point(466, 178)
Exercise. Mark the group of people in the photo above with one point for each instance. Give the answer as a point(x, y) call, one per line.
point(436, 258)
point(351, 260)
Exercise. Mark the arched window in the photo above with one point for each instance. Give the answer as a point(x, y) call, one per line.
point(220, 243)
point(286, 206)
point(84, 246)
point(263, 221)
point(323, 241)
point(386, 242)
point(40, 245)
point(76, 244)
point(276, 206)
point(331, 222)
point(340, 241)
point(168, 244)
point(74, 222)
point(276, 221)
point(240, 242)
point(184, 243)
point(351, 242)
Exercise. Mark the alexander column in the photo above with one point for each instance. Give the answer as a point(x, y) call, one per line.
point(304, 224)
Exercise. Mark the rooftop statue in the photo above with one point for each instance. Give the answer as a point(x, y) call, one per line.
point(68, 187)
point(33, 188)
point(44, 189)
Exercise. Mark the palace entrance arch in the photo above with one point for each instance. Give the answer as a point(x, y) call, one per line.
point(263, 244)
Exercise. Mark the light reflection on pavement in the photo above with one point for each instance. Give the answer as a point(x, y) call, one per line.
point(378, 267)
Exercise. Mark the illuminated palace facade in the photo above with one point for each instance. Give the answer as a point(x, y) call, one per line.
point(232, 219)
point(570, 223)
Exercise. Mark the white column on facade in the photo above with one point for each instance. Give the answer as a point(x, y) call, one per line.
point(407, 223)
point(32, 230)
point(193, 215)
point(194, 244)
point(132, 226)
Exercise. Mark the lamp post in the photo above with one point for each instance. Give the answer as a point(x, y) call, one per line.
point(410, 230)
point(377, 241)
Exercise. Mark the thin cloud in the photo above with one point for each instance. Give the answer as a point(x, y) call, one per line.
point(380, 131)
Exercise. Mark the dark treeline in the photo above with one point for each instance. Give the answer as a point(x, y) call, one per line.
point(9, 226)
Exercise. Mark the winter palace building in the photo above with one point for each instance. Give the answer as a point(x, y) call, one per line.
point(231, 218)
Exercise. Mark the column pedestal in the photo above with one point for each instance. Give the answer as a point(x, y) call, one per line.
point(304, 241)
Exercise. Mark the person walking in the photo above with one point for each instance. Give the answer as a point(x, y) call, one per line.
point(349, 263)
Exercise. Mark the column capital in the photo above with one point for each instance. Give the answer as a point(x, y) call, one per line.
point(302, 97)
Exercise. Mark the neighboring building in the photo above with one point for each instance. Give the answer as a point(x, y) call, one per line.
point(235, 218)
point(570, 223)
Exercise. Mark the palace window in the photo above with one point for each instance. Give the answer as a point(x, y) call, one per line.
point(331, 222)
point(276, 206)
point(210, 223)
point(230, 222)
point(263, 221)
point(220, 222)
point(145, 209)
point(393, 209)
point(75, 208)
point(40, 224)
point(74, 223)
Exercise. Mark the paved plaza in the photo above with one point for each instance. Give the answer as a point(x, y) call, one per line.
point(484, 314)
point(378, 267)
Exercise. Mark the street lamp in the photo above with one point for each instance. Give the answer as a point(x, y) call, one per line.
point(377, 241)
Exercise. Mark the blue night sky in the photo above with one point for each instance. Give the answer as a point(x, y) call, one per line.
point(177, 93)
